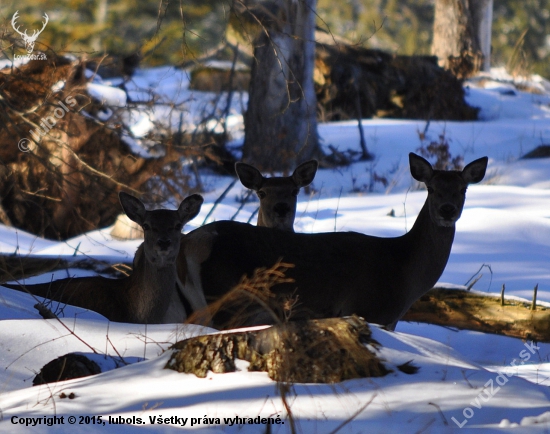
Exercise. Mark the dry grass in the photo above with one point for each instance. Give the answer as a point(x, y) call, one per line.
point(251, 301)
point(307, 351)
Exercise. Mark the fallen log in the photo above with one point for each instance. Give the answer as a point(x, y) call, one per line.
point(15, 267)
point(467, 310)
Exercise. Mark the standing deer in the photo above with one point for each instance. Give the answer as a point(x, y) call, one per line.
point(339, 273)
point(278, 195)
point(149, 294)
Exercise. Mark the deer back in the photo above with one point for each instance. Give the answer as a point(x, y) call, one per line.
point(330, 269)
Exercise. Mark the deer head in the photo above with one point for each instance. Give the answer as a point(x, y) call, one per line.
point(278, 195)
point(446, 189)
point(161, 228)
point(29, 40)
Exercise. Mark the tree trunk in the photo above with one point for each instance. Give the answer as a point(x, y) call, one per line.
point(462, 35)
point(482, 14)
point(100, 19)
point(280, 123)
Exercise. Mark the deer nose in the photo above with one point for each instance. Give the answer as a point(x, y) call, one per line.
point(164, 243)
point(447, 211)
point(281, 208)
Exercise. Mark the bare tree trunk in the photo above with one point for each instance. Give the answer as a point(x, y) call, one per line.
point(280, 123)
point(100, 18)
point(482, 14)
point(462, 35)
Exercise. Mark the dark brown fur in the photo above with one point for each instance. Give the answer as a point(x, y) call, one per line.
point(149, 294)
point(344, 273)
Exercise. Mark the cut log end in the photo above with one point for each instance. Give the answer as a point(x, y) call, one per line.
point(316, 351)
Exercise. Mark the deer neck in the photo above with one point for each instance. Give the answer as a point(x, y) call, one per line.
point(149, 289)
point(428, 246)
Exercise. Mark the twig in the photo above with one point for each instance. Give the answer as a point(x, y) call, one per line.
point(73, 154)
point(337, 207)
point(77, 337)
point(284, 389)
point(467, 381)
point(116, 351)
point(353, 416)
point(440, 412)
point(230, 91)
point(194, 164)
point(219, 200)
point(477, 279)
point(365, 155)
point(426, 426)
point(44, 311)
point(477, 272)
point(241, 206)
point(534, 303)
point(256, 211)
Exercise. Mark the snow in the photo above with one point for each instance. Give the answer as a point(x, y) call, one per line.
point(107, 95)
point(479, 381)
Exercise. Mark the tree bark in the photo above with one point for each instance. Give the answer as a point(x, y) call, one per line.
point(280, 122)
point(100, 19)
point(327, 350)
point(462, 35)
point(482, 14)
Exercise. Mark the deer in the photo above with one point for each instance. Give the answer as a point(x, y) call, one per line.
point(148, 295)
point(338, 273)
point(278, 195)
point(29, 40)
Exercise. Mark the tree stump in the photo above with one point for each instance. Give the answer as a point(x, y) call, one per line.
point(66, 367)
point(315, 351)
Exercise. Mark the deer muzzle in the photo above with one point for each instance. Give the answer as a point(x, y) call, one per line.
point(281, 209)
point(448, 214)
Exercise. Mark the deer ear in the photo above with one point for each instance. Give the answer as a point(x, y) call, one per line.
point(249, 176)
point(133, 207)
point(475, 171)
point(305, 172)
point(421, 169)
point(190, 207)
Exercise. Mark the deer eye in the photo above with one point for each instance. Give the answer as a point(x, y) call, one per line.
point(146, 226)
point(261, 194)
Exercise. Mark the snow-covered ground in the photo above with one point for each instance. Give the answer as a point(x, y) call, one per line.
point(466, 379)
